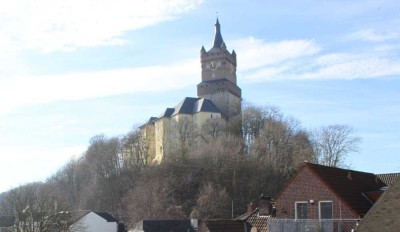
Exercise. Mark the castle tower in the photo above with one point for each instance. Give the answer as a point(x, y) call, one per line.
point(218, 77)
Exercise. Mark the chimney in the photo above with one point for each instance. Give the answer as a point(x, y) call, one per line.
point(194, 219)
point(265, 206)
point(250, 208)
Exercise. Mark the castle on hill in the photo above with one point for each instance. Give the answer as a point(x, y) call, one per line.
point(192, 122)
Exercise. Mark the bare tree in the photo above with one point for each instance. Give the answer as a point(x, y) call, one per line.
point(135, 149)
point(183, 138)
point(213, 128)
point(35, 207)
point(332, 144)
point(253, 122)
point(213, 201)
point(150, 199)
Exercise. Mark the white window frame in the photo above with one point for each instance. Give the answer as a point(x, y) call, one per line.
point(295, 208)
point(319, 208)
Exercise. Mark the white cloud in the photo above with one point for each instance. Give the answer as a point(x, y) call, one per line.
point(349, 66)
point(255, 53)
point(373, 35)
point(332, 66)
point(75, 86)
point(303, 60)
point(29, 164)
point(50, 25)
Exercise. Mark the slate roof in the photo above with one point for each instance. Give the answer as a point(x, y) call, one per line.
point(224, 225)
point(151, 121)
point(108, 217)
point(166, 226)
point(388, 178)
point(218, 41)
point(384, 215)
point(191, 105)
point(351, 186)
point(167, 113)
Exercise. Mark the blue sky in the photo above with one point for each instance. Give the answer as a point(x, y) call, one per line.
point(73, 69)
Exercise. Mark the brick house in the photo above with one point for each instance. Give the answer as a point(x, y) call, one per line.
point(321, 192)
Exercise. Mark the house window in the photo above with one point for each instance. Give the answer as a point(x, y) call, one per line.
point(325, 209)
point(301, 210)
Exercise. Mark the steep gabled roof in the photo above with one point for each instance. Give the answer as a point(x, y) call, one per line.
point(384, 215)
point(349, 185)
point(75, 216)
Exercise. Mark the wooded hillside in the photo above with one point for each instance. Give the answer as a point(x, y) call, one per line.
point(246, 157)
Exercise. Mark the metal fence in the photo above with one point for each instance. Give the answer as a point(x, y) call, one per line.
point(326, 225)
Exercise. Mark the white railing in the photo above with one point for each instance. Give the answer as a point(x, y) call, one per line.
point(311, 225)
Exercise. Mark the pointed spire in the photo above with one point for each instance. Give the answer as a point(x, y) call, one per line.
point(218, 41)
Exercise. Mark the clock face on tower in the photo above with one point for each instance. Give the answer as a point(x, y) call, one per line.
point(213, 65)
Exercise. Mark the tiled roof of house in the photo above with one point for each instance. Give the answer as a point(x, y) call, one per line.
point(384, 215)
point(224, 225)
point(388, 178)
point(349, 185)
point(255, 220)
